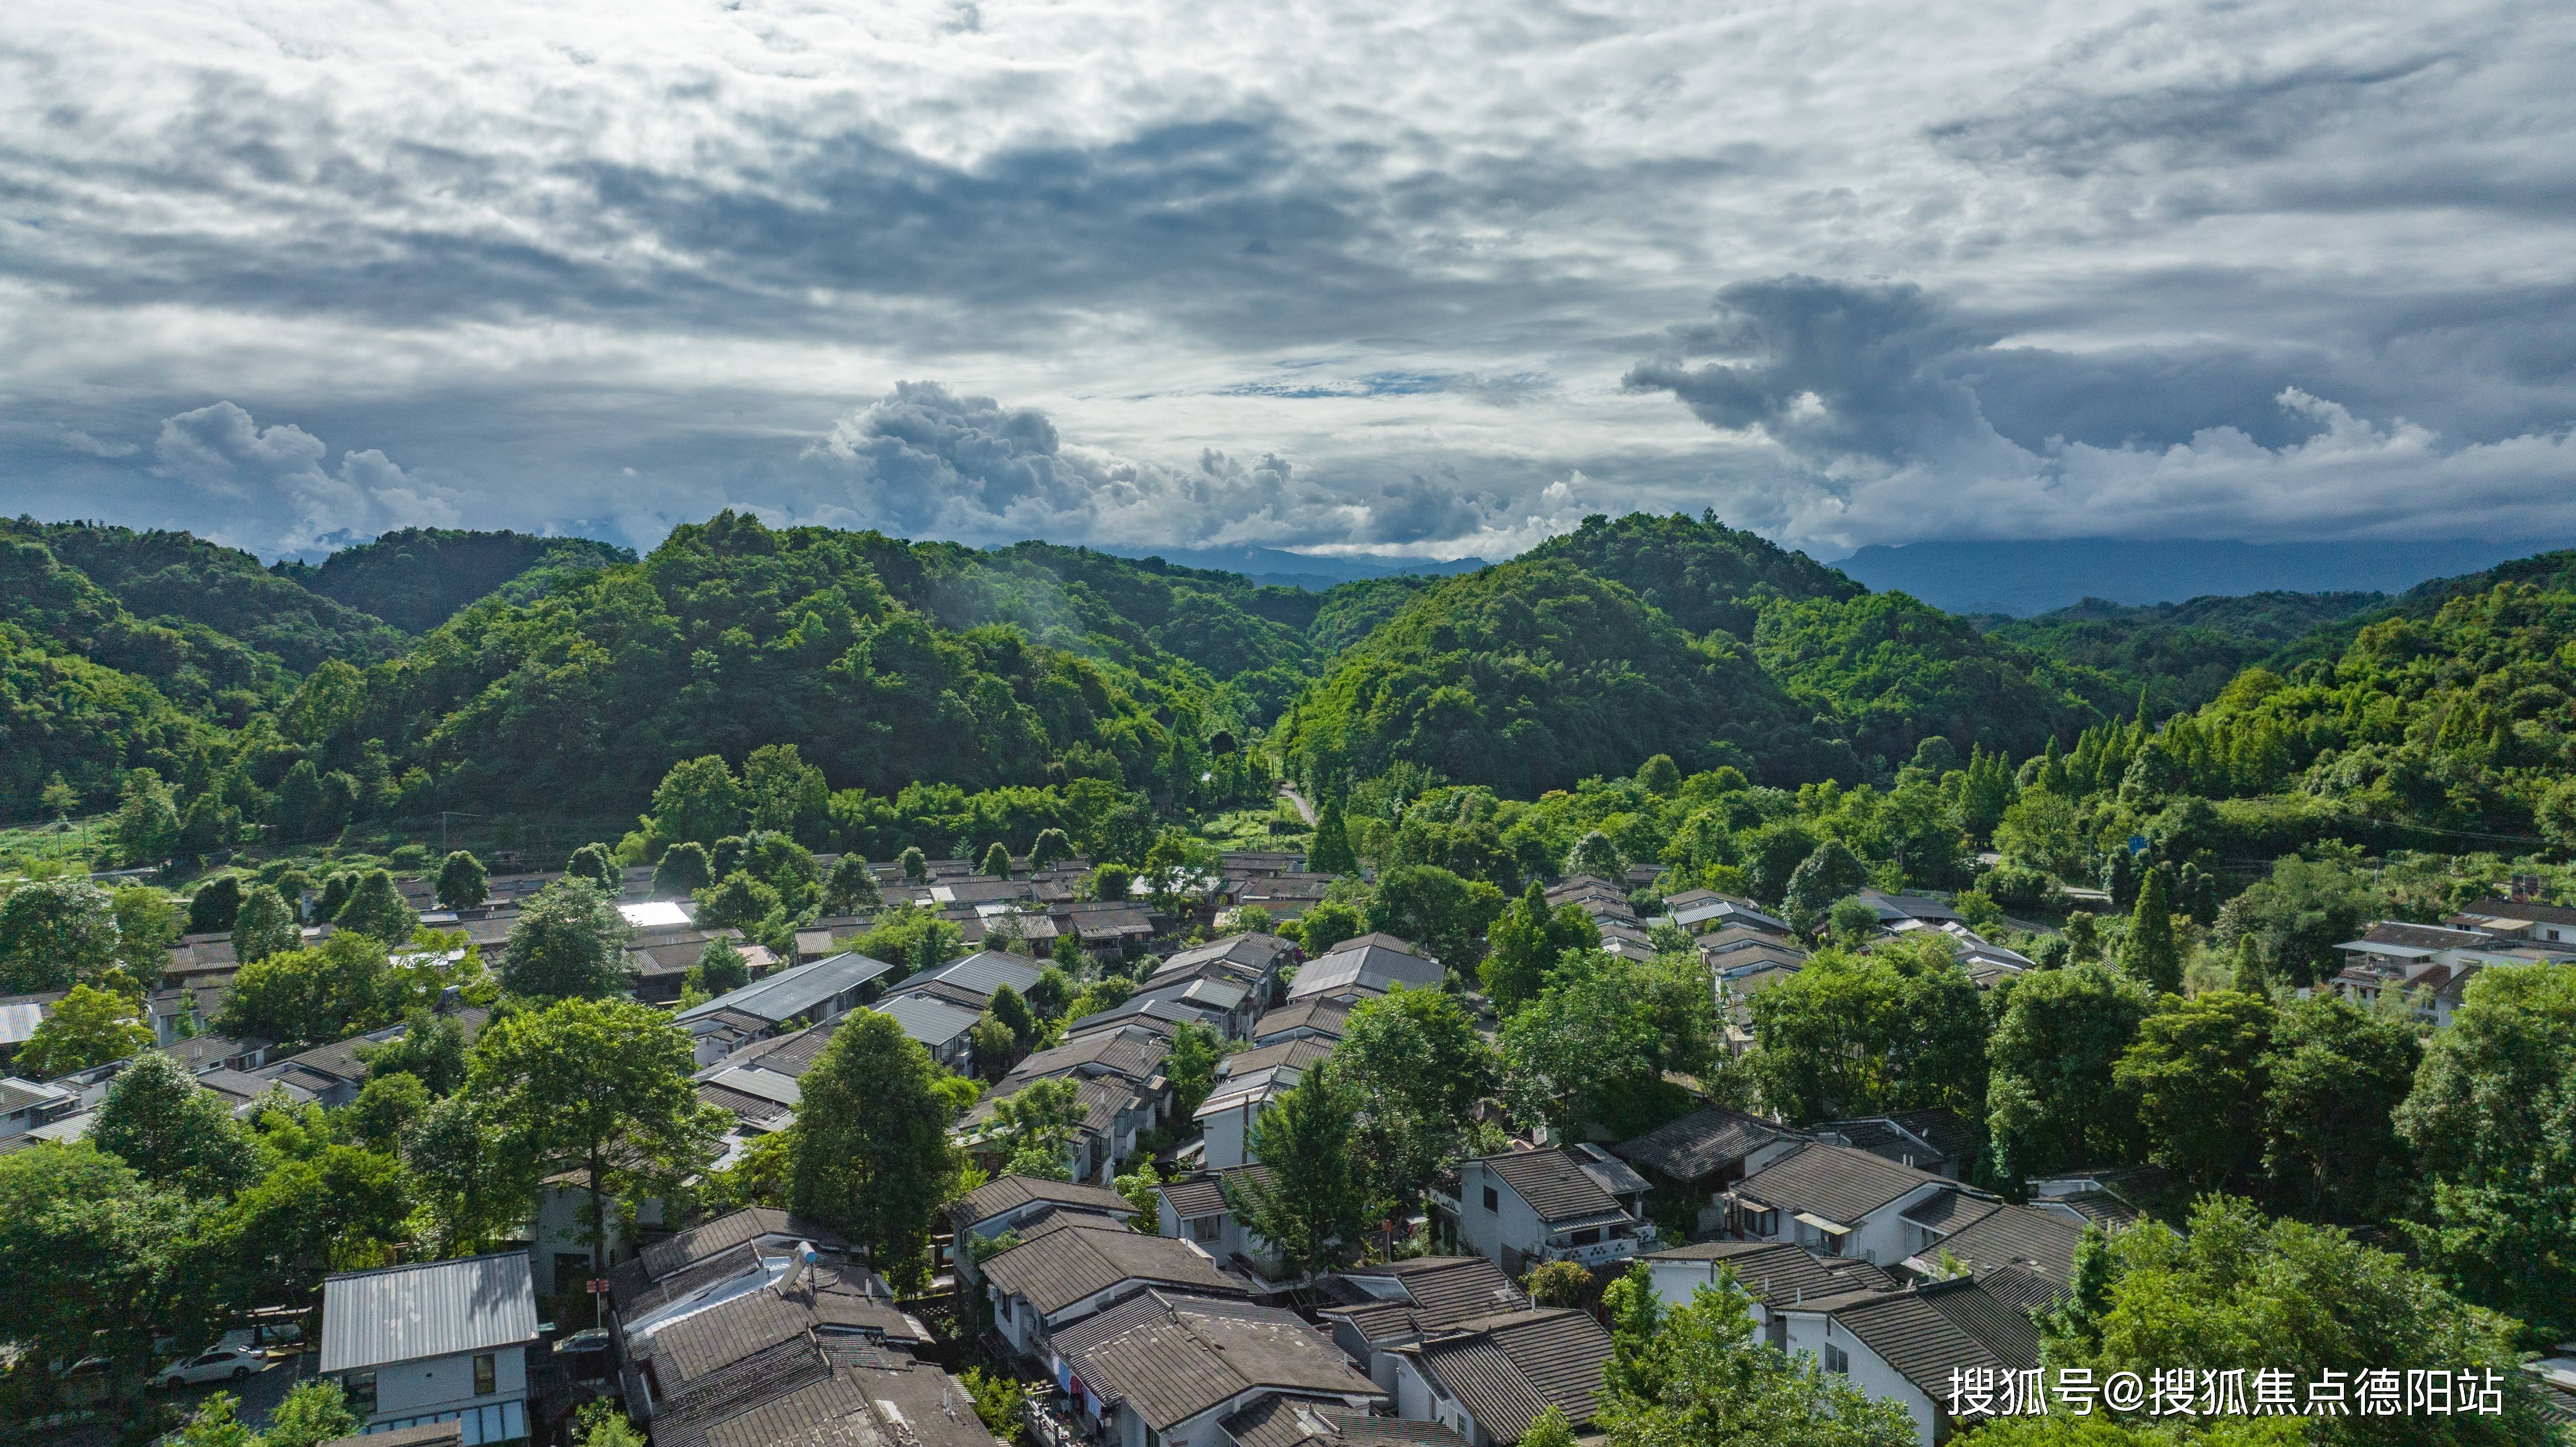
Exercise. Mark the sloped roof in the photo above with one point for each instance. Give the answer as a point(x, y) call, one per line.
point(1131, 1054)
point(1508, 1369)
point(755, 1321)
point(2018, 1236)
point(1325, 1017)
point(1554, 1184)
point(1836, 1182)
point(1299, 1053)
point(1169, 1357)
point(930, 1021)
point(1446, 1290)
point(432, 1309)
point(983, 972)
point(1203, 1194)
point(1699, 1144)
point(1369, 966)
point(794, 992)
point(1288, 1421)
point(1009, 1193)
point(1922, 1343)
point(1060, 1269)
point(1780, 1272)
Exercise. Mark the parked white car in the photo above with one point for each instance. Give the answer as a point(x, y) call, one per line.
point(224, 1363)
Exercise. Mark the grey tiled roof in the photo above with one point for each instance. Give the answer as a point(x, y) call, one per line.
point(2018, 1236)
point(1204, 1194)
point(1835, 1182)
point(1325, 1017)
point(933, 1023)
point(1009, 1193)
point(435, 1309)
point(1288, 1421)
point(1782, 1272)
point(1506, 1370)
point(1063, 1268)
point(1446, 1290)
point(790, 993)
point(1554, 1184)
point(1923, 1344)
point(1168, 1357)
point(1699, 1144)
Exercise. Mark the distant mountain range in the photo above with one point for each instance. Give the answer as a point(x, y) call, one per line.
point(2026, 578)
point(1280, 568)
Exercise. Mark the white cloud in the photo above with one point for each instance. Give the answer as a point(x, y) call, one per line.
point(613, 265)
point(283, 501)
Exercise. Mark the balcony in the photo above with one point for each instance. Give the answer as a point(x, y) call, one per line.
point(1617, 1244)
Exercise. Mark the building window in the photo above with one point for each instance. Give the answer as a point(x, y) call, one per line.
point(487, 1376)
point(1776, 1331)
point(1586, 1237)
point(360, 1388)
point(1837, 1360)
point(1492, 1201)
point(1206, 1229)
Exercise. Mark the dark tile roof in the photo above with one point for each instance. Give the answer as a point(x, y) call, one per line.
point(681, 1263)
point(1554, 1184)
point(1204, 1194)
point(1699, 1144)
point(2104, 1208)
point(1066, 1266)
point(1368, 967)
point(731, 1331)
point(1299, 1053)
point(1134, 1054)
point(1009, 1193)
point(1779, 1273)
point(428, 1434)
point(2018, 1236)
point(1169, 1357)
point(1323, 1016)
point(982, 972)
point(829, 1394)
point(1951, 1210)
point(1922, 1343)
point(1507, 1369)
point(1948, 1132)
point(1443, 1291)
point(2522, 909)
point(1288, 1421)
point(1835, 1182)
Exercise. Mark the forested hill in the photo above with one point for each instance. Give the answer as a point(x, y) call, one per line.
point(417, 578)
point(2177, 656)
point(583, 674)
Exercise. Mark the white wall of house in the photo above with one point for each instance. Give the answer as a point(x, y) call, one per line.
point(1418, 1398)
point(436, 1386)
point(1227, 1133)
point(1508, 1233)
point(1812, 1332)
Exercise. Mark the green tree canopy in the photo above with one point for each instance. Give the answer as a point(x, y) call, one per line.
point(84, 1244)
point(1314, 1203)
point(463, 882)
point(2199, 1071)
point(88, 1027)
point(174, 1132)
point(873, 1157)
point(595, 1086)
point(2051, 1101)
point(1902, 1028)
point(377, 908)
point(265, 926)
point(1705, 1377)
point(1524, 942)
point(298, 998)
point(54, 933)
point(1418, 1066)
point(569, 941)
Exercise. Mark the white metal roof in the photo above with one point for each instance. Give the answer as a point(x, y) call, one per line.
point(790, 993)
point(440, 1308)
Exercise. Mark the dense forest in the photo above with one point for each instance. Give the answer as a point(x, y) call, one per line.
point(511, 674)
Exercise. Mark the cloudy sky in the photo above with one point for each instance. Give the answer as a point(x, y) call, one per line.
point(1404, 277)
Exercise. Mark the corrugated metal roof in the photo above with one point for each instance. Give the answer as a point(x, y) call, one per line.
point(790, 993)
point(404, 1313)
point(932, 1022)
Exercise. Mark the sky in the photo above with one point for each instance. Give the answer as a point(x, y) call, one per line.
point(1402, 278)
